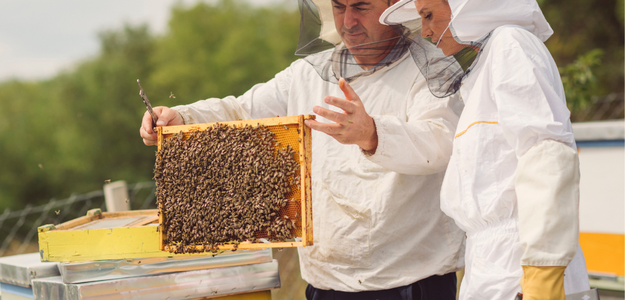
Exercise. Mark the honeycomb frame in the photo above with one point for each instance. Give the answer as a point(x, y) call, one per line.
point(288, 131)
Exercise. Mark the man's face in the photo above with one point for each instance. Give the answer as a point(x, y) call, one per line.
point(357, 21)
point(435, 17)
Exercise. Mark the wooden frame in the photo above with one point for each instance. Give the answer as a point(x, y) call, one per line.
point(134, 234)
point(304, 151)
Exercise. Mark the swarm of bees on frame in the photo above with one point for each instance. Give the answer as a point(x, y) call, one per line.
point(224, 185)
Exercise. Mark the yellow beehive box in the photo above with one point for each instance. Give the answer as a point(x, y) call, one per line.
point(102, 236)
point(289, 131)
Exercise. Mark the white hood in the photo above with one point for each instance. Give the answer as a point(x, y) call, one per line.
point(474, 19)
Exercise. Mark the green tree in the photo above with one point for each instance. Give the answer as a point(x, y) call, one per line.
point(579, 80)
point(221, 50)
point(72, 132)
point(25, 140)
point(580, 26)
point(79, 128)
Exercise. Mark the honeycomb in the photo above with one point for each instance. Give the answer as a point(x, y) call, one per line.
point(287, 135)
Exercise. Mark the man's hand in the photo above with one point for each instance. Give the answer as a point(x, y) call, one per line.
point(166, 117)
point(353, 126)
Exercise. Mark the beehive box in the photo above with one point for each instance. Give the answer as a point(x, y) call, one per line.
point(287, 131)
point(103, 236)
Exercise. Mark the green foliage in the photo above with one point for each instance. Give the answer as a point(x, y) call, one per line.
point(221, 50)
point(80, 128)
point(71, 132)
point(24, 128)
point(579, 80)
point(579, 27)
point(620, 11)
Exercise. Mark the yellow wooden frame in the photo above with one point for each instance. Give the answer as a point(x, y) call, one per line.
point(305, 157)
point(66, 243)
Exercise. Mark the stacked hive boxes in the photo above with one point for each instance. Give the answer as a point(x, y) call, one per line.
point(17, 273)
point(116, 256)
point(182, 253)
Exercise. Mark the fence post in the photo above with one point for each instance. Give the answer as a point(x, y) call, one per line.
point(116, 196)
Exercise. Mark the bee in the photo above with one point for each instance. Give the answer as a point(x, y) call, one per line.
point(171, 95)
point(248, 154)
point(57, 212)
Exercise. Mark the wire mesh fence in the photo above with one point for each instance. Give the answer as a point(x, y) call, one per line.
point(609, 107)
point(18, 229)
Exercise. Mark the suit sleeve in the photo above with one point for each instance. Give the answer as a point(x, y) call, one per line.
point(264, 100)
point(535, 120)
point(421, 144)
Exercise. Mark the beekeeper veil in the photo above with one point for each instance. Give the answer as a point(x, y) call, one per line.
point(321, 44)
point(471, 24)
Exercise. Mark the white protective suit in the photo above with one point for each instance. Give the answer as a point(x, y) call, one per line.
point(377, 222)
point(513, 179)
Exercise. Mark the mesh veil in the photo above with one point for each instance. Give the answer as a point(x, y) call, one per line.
point(444, 74)
point(309, 30)
point(322, 48)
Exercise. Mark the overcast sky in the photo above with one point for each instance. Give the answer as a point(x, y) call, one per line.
point(38, 38)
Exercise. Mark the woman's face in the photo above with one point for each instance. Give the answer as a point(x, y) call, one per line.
point(435, 17)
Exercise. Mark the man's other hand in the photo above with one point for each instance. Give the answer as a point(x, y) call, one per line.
point(166, 117)
point(353, 126)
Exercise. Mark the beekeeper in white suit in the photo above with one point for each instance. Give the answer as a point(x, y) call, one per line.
point(379, 155)
point(513, 180)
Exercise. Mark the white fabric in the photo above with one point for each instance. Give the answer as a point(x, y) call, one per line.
point(401, 12)
point(514, 100)
point(474, 19)
point(377, 222)
point(492, 258)
point(492, 265)
point(547, 186)
point(576, 283)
